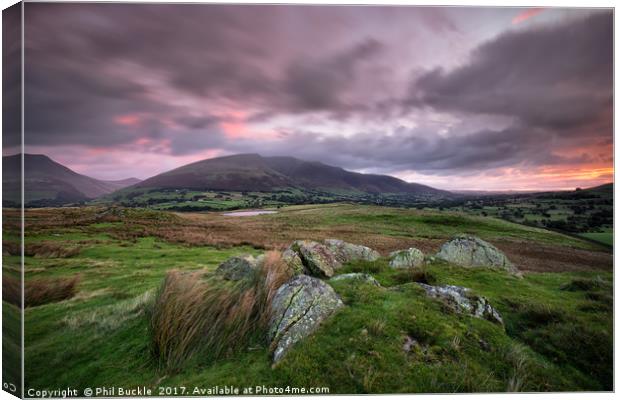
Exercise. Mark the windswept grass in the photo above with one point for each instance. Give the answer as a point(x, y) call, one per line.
point(39, 291)
point(42, 249)
point(109, 318)
point(195, 313)
point(50, 250)
point(43, 291)
point(11, 290)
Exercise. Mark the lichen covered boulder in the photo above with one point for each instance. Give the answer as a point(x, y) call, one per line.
point(462, 300)
point(298, 308)
point(470, 251)
point(346, 252)
point(238, 268)
point(292, 259)
point(357, 277)
point(409, 258)
point(317, 259)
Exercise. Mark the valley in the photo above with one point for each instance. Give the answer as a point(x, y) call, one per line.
point(251, 181)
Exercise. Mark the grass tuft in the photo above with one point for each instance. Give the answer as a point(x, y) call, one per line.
point(518, 359)
point(585, 285)
point(194, 313)
point(39, 291)
point(49, 250)
point(11, 290)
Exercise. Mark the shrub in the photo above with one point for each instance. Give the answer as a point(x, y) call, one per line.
point(39, 291)
point(194, 313)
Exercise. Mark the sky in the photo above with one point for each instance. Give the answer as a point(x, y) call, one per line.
point(456, 98)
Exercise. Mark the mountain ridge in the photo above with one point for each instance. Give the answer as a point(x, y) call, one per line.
point(253, 172)
point(48, 182)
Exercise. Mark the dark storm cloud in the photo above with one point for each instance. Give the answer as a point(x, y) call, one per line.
point(193, 122)
point(77, 54)
point(194, 141)
point(11, 76)
point(423, 151)
point(556, 76)
point(320, 85)
point(184, 79)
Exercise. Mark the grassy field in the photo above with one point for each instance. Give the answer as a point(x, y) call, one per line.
point(220, 200)
point(587, 212)
point(605, 237)
point(100, 336)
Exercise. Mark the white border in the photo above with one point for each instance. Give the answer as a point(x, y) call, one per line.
point(475, 3)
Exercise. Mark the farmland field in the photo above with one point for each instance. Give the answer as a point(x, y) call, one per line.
point(100, 336)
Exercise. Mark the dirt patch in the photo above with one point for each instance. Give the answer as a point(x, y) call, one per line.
point(276, 234)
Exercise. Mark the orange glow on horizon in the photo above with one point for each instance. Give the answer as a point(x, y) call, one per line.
point(552, 178)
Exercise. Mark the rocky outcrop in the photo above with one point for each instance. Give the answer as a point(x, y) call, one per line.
point(317, 259)
point(410, 258)
point(298, 308)
point(470, 251)
point(238, 268)
point(462, 300)
point(346, 252)
point(357, 277)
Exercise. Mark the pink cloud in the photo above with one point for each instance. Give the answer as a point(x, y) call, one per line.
point(526, 14)
point(234, 126)
point(127, 120)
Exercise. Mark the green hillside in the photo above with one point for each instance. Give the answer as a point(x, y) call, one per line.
point(100, 336)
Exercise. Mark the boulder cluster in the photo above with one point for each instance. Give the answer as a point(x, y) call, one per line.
point(301, 304)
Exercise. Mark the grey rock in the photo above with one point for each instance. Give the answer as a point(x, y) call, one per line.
point(346, 252)
point(292, 259)
point(470, 251)
point(357, 276)
point(462, 300)
point(410, 258)
point(317, 259)
point(297, 310)
point(238, 268)
point(409, 343)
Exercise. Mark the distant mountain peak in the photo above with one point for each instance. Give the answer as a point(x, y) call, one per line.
point(48, 182)
point(253, 172)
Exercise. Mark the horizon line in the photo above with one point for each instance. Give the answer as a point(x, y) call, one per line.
point(497, 191)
